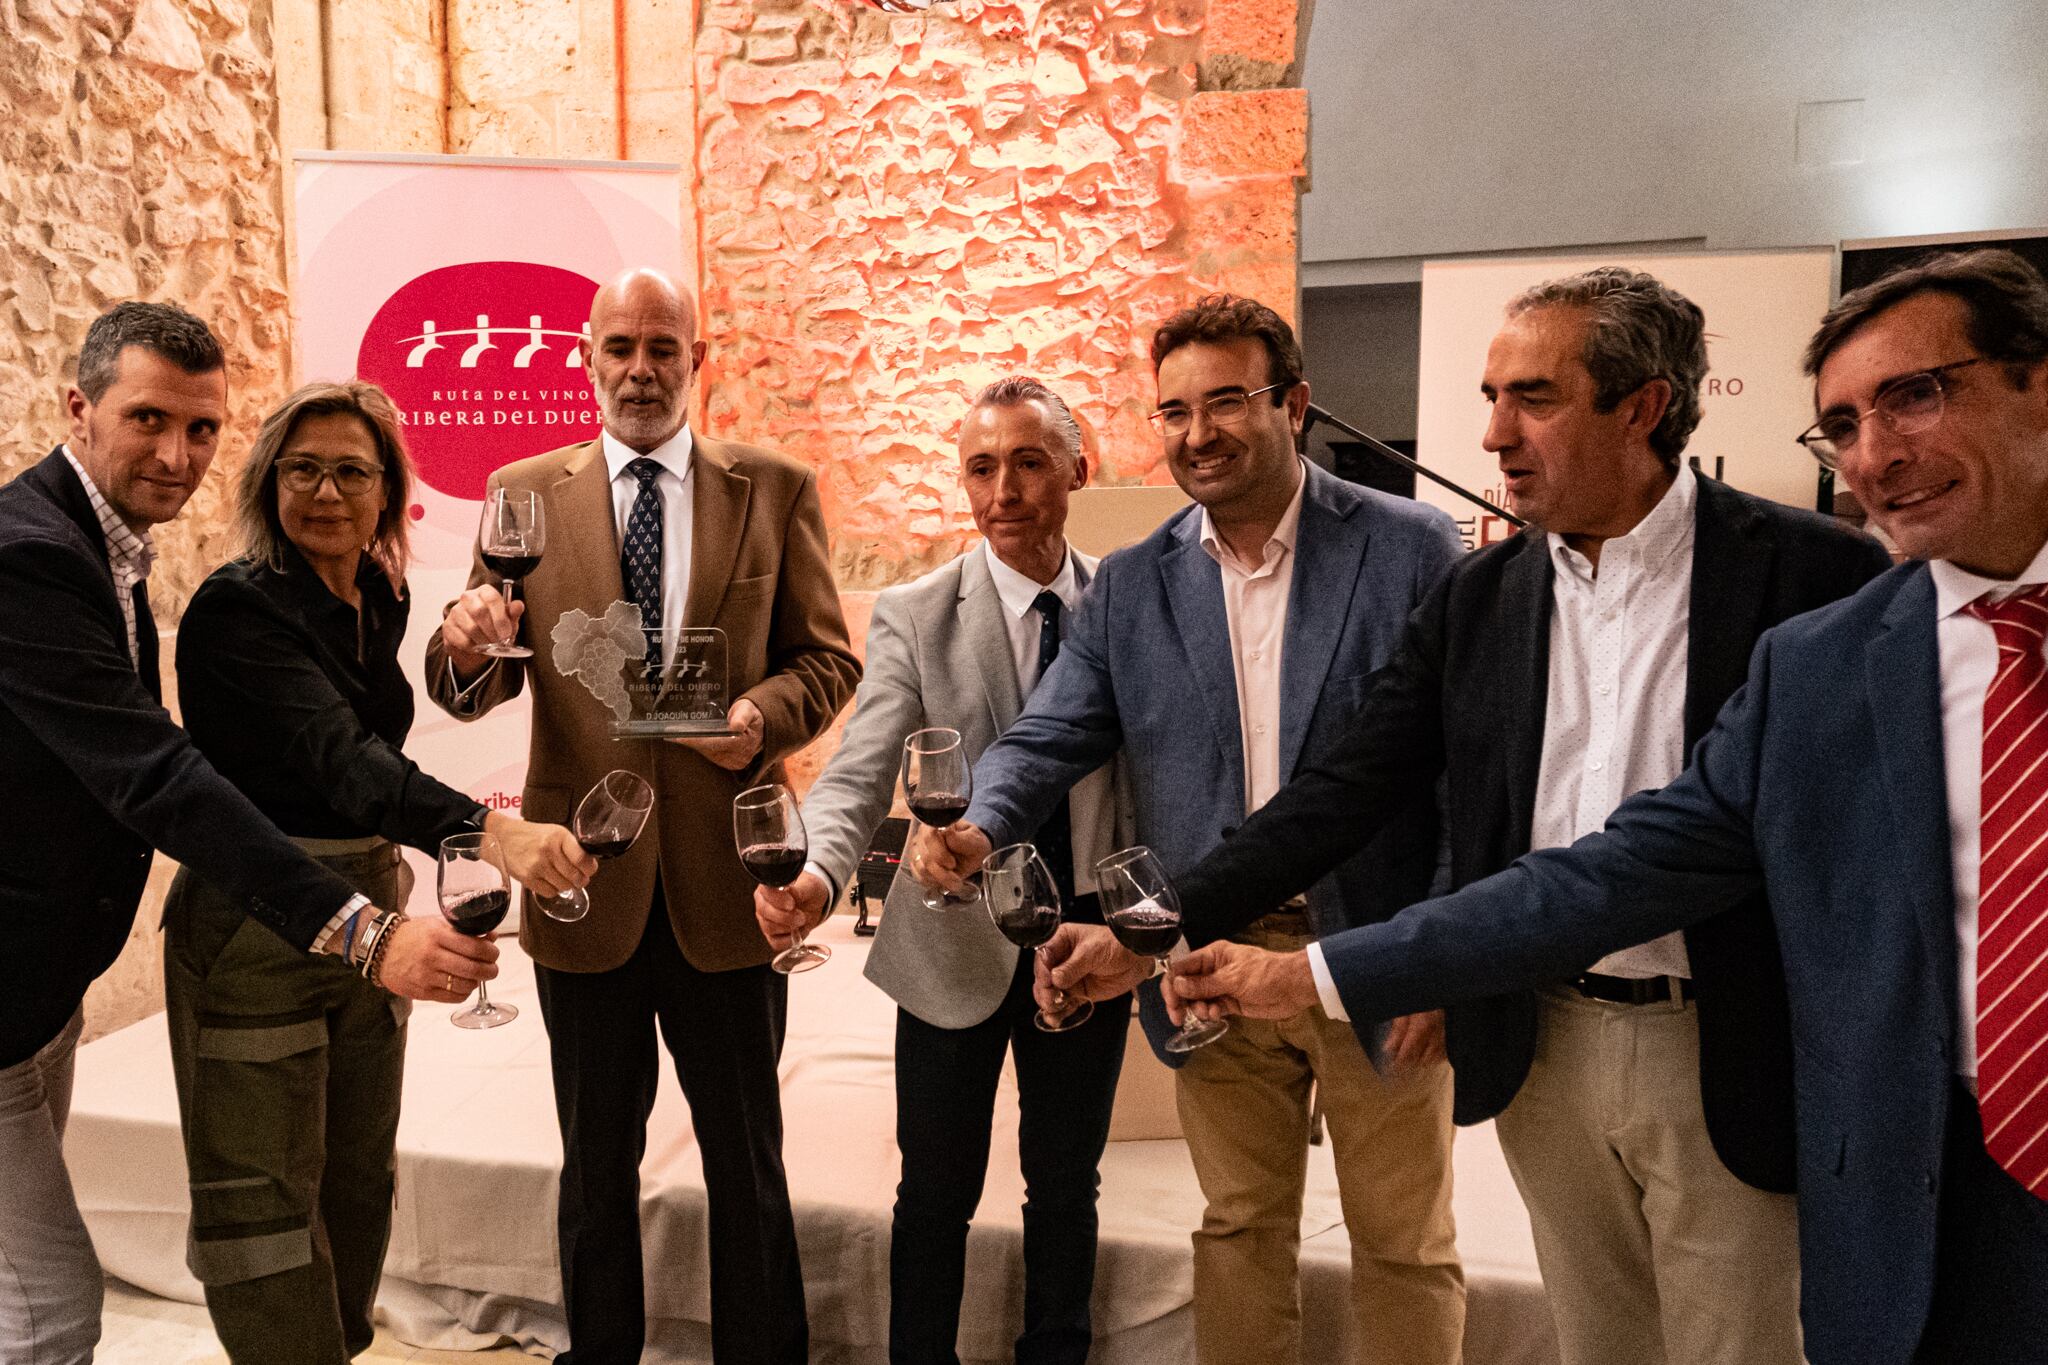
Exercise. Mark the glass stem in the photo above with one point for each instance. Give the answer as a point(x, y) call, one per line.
point(511, 586)
point(483, 997)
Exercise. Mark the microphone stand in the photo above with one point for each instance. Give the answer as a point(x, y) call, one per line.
point(1381, 448)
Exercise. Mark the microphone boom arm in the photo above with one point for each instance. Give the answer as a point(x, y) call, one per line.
point(1378, 447)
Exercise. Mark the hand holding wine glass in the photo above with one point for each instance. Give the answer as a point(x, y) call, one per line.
point(938, 784)
point(510, 538)
point(607, 821)
point(1143, 911)
point(769, 831)
point(1023, 900)
point(475, 897)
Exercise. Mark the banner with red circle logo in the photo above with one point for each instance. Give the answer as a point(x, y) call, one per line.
point(462, 287)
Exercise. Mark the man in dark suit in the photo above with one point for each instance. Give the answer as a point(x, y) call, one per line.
point(1549, 677)
point(718, 534)
point(94, 775)
point(1883, 777)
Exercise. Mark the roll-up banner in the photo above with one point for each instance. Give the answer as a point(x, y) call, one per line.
point(462, 286)
point(1761, 306)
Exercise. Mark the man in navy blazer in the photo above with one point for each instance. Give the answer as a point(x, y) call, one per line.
point(1882, 775)
point(94, 774)
point(1222, 652)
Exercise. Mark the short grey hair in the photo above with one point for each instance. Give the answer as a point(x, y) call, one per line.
point(1022, 388)
point(162, 328)
point(1639, 329)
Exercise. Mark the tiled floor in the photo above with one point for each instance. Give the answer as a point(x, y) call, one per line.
point(140, 1329)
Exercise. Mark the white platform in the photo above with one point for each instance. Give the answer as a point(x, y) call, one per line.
point(472, 1256)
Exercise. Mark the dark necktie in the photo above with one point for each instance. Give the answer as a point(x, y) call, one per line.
point(640, 556)
point(1055, 838)
point(146, 665)
point(2012, 901)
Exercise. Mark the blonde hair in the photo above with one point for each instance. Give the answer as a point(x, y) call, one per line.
point(256, 521)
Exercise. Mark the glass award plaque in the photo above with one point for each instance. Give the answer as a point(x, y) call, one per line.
point(609, 654)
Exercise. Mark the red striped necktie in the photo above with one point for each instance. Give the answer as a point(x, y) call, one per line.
point(2012, 902)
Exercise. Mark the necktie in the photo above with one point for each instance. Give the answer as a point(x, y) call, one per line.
point(640, 557)
point(2012, 901)
point(1055, 838)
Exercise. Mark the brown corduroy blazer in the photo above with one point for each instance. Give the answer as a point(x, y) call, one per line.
point(761, 572)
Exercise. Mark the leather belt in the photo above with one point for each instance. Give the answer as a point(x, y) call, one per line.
point(1631, 990)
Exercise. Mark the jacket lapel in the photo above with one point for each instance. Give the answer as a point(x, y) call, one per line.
point(585, 527)
point(988, 636)
point(1902, 671)
point(1521, 653)
point(718, 520)
point(1194, 594)
point(1329, 561)
point(1733, 556)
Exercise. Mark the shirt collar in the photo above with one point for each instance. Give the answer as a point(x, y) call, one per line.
point(1956, 587)
point(1284, 534)
point(127, 548)
point(672, 454)
point(1663, 531)
point(1019, 593)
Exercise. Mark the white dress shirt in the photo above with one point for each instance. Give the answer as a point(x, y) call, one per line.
point(1255, 599)
point(1088, 803)
point(678, 501)
point(130, 553)
point(1614, 714)
point(1969, 657)
point(1614, 722)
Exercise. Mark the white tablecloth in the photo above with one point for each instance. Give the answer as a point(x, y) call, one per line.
point(472, 1255)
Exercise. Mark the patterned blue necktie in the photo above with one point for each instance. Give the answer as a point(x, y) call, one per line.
point(1055, 838)
point(640, 557)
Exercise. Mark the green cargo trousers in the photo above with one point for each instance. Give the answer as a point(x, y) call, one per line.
point(288, 1069)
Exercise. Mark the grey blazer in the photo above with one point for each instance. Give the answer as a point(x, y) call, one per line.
point(938, 653)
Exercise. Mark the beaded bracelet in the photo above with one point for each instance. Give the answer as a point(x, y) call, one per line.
point(373, 953)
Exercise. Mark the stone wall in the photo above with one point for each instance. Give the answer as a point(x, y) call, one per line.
point(895, 210)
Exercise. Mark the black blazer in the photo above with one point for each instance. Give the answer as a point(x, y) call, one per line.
point(94, 773)
point(1465, 697)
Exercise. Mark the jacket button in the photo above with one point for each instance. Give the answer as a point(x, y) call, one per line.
point(1930, 1182)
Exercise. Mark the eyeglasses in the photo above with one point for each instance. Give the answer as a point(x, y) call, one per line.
point(1225, 410)
point(352, 478)
point(1909, 404)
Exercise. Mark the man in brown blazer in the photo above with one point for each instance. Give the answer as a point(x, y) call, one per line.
point(713, 534)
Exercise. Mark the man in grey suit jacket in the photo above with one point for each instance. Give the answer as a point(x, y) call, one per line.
point(1223, 652)
point(961, 648)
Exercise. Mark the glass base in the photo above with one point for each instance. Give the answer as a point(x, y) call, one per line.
point(568, 908)
point(485, 1016)
point(1196, 1033)
point(505, 650)
point(1066, 1023)
point(801, 958)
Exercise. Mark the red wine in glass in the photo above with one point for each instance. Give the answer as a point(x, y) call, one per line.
point(1142, 909)
point(476, 913)
point(938, 785)
point(768, 830)
point(1023, 900)
point(475, 896)
point(510, 538)
point(607, 821)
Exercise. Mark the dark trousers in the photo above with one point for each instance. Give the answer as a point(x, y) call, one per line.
point(1990, 1258)
point(945, 1105)
point(724, 1030)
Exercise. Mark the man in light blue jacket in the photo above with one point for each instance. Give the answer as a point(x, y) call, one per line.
point(961, 648)
point(1224, 652)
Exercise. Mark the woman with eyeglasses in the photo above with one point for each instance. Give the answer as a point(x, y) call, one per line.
point(288, 1064)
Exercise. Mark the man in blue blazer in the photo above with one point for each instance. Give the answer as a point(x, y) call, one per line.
point(94, 774)
point(1883, 776)
point(1222, 653)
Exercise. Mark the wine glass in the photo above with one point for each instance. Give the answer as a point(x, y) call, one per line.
point(607, 821)
point(475, 896)
point(773, 847)
point(511, 537)
point(1024, 901)
point(938, 782)
point(1142, 910)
